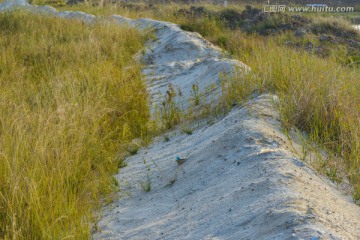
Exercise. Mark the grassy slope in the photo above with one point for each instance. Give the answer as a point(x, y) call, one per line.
point(67, 105)
point(319, 95)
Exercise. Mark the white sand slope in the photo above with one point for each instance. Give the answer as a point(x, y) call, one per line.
point(241, 179)
point(182, 59)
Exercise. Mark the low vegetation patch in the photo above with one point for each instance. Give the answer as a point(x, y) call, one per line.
point(71, 96)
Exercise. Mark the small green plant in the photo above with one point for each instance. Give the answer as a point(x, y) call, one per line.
point(133, 150)
point(188, 131)
point(195, 96)
point(222, 41)
point(170, 112)
point(146, 185)
point(304, 155)
point(356, 194)
point(115, 182)
point(166, 138)
point(172, 180)
point(331, 170)
point(122, 164)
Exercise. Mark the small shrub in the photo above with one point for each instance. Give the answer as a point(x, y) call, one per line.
point(170, 112)
point(188, 131)
point(222, 41)
point(195, 96)
point(133, 149)
point(231, 18)
point(146, 185)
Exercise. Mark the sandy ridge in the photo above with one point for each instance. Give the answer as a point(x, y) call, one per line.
point(241, 181)
point(182, 59)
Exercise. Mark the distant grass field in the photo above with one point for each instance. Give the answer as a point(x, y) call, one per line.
point(71, 96)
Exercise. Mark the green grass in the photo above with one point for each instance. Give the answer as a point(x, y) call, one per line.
point(71, 96)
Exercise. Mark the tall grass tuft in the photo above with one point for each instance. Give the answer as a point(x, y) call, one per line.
point(70, 95)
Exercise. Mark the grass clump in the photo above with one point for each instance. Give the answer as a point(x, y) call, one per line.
point(133, 149)
point(170, 111)
point(146, 185)
point(187, 130)
point(70, 94)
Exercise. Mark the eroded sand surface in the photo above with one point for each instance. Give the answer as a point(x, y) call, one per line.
point(241, 181)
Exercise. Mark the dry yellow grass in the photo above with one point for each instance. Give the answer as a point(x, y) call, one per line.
point(70, 96)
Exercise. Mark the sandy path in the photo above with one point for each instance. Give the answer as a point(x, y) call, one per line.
point(241, 179)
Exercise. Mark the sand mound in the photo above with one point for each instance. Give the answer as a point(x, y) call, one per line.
point(241, 180)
